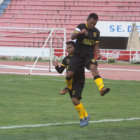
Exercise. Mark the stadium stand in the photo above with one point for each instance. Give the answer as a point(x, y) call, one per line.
point(63, 13)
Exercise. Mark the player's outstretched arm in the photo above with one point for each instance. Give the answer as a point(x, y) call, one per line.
point(58, 68)
point(55, 63)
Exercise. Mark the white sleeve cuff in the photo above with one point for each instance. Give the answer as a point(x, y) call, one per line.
point(77, 29)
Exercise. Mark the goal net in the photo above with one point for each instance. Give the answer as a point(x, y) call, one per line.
point(31, 50)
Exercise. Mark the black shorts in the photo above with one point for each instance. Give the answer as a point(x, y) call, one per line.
point(76, 62)
point(77, 89)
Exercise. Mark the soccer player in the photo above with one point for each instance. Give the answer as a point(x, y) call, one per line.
point(75, 87)
point(87, 40)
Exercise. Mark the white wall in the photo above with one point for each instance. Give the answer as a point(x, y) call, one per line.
point(23, 51)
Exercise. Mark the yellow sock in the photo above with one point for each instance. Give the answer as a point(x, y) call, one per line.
point(84, 111)
point(69, 84)
point(99, 83)
point(79, 109)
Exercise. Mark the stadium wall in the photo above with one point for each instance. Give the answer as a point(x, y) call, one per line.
point(115, 17)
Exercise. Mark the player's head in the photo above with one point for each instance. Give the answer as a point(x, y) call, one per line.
point(70, 47)
point(92, 20)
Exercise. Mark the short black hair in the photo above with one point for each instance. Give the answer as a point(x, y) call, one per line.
point(93, 15)
point(71, 42)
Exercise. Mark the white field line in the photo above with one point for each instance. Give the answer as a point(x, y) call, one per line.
point(66, 123)
point(42, 69)
point(115, 69)
point(20, 73)
point(21, 68)
point(38, 66)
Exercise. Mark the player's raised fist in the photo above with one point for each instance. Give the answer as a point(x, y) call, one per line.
point(83, 31)
point(55, 62)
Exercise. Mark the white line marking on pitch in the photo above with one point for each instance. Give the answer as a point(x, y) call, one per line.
point(66, 123)
point(115, 69)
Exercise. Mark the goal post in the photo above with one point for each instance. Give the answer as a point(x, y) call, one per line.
point(31, 50)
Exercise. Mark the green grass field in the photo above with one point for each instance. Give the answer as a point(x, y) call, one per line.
point(31, 100)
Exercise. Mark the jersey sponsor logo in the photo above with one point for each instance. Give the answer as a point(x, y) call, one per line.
point(88, 41)
point(96, 41)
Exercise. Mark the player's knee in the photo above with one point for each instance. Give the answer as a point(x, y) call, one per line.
point(93, 67)
point(75, 101)
point(68, 77)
